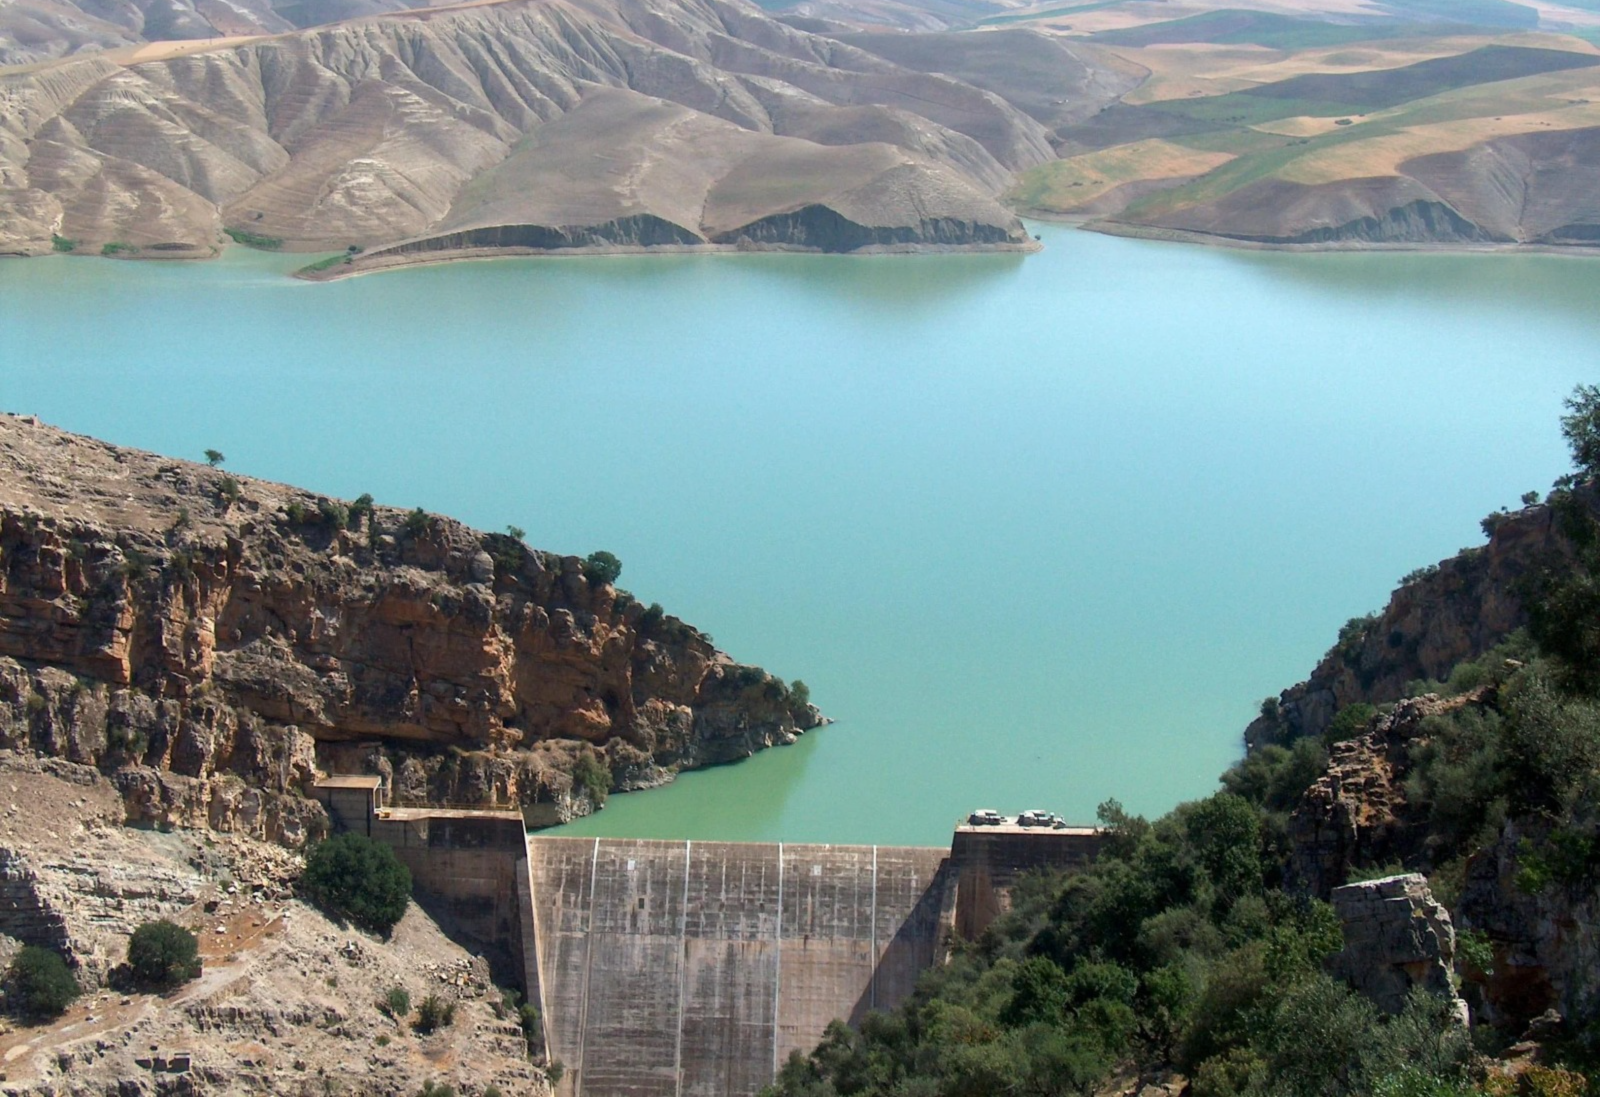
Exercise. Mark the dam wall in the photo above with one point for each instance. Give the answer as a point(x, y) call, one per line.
point(678, 968)
point(694, 969)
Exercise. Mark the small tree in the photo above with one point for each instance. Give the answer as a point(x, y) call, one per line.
point(43, 984)
point(214, 457)
point(163, 954)
point(516, 533)
point(1581, 428)
point(351, 876)
point(602, 568)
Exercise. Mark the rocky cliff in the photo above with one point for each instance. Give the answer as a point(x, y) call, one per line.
point(1438, 617)
point(212, 641)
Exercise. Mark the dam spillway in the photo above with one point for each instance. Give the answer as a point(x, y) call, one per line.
point(668, 969)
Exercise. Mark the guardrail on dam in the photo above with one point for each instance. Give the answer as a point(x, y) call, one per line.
point(693, 969)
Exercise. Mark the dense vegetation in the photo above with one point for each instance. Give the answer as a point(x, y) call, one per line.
point(162, 955)
point(352, 877)
point(41, 984)
point(1185, 947)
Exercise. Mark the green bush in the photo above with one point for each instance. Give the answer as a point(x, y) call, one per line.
point(361, 508)
point(418, 522)
point(254, 239)
point(63, 243)
point(118, 248)
point(162, 955)
point(396, 1002)
point(434, 1013)
point(1349, 722)
point(42, 983)
point(352, 877)
point(591, 774)
point(602, 569)
point(431, 1088)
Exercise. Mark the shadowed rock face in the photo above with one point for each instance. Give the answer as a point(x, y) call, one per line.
point(566, 116)
point(212, 642)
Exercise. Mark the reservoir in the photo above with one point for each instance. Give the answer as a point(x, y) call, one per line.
point(1036, 531)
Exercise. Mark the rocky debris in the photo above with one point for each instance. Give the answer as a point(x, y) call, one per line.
point(1356, 813)
point(1396, 938)
point(1445, 615)
point(214, 642)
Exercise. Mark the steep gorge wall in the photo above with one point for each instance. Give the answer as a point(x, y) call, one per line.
point(213, 641)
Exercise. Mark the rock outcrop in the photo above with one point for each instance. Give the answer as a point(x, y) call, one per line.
point(1396, 938)
point(212, 641)
point(1545, 941)
point(1442, 615)
point(1357, 813)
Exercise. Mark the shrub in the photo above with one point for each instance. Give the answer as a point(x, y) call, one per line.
point(63, 243)
point(1349, 722)
point(228, 489)
point(418, 522)
point(555, 1071)
point(601, 568)
point(434, 1013)
point(254, 239)
point(163, 954)
point(593, 776)
point(1352, 634)
point(1530, 498)
point(41, 982)
point(334, 515)
point(350, 876)
point(516, 533)
point(361, 508)
point(118, 248)
point(431, 1088)
point(799, 695)
point(1493, 521)
point(214, 457)
point(396, 1002)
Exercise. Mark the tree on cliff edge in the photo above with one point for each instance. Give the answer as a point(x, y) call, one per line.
point(350, 876)
point(1581, 428)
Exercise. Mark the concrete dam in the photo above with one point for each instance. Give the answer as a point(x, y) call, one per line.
point(671, 969)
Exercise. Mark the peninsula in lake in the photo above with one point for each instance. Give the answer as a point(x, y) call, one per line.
point(392, 136)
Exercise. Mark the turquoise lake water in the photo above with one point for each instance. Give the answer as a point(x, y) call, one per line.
point(1036, 530)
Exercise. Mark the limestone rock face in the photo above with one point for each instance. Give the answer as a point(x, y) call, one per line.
point(213, 642)
point(1396, 937)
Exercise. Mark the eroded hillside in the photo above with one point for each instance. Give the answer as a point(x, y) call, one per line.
point(530, 123)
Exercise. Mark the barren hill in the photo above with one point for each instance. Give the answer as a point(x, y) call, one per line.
point(544, 123)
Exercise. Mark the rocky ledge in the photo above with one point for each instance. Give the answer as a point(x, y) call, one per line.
point(212, 642)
